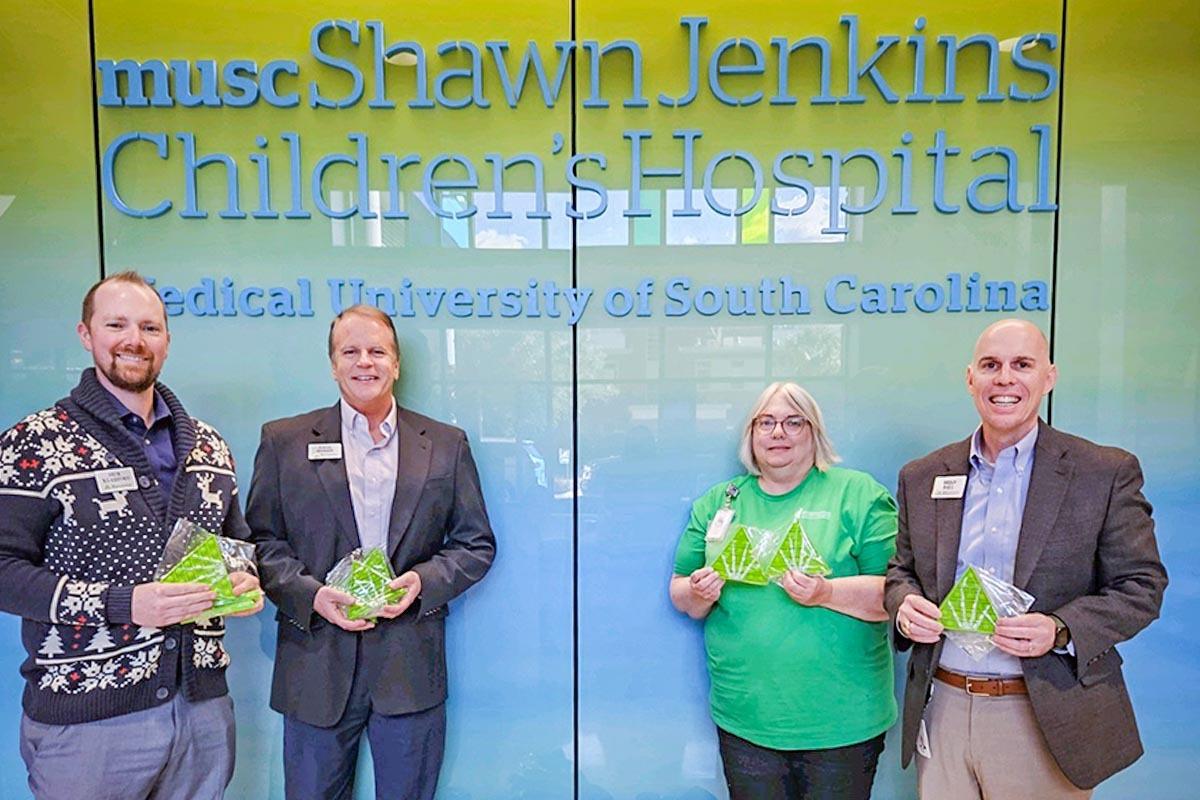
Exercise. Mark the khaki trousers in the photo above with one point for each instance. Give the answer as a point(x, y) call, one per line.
point(988, 748)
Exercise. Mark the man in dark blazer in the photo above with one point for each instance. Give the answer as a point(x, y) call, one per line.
point(1046, 713)
point(364, 473)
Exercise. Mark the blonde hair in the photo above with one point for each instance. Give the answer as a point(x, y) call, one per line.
point(824, 456)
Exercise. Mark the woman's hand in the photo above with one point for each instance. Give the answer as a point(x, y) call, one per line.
point(695, 594)
point(705, 584)
point(807, 590)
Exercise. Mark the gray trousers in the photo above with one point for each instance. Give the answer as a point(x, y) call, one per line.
point(177, 751)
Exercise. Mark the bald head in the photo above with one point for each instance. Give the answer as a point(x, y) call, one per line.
point(1029, 336)
point(1008, 376)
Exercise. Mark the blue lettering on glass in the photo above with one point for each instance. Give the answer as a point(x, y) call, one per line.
point(716, 69)
point(1047, 71)
point(108, 168)
point(870, 69)
point(783, 97)
point(315, 98)
point(473, 73)
point(693, 26)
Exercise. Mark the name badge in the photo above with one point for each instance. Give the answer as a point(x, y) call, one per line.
point(324, 451)
point(718, 526)
point(923, 741)
point(120, 479)
point(947, 487)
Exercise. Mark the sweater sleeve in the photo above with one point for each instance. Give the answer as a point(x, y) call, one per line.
point(29, 505)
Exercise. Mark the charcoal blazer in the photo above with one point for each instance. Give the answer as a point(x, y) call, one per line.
point(1086, 553)
point(302, 521)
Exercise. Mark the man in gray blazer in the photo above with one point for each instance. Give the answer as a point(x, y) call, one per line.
point(1046, 713)
point(364, 473)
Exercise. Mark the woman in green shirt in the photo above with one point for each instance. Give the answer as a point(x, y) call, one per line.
point(801, 669)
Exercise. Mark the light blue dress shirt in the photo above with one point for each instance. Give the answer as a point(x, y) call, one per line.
point(991, 526)
point(371, 471)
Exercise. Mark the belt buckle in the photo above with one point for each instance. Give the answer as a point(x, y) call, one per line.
point(971, 682)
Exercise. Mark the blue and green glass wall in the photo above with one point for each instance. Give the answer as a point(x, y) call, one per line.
point(595, 418)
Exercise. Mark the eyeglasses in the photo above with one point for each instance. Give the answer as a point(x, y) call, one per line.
point(791, 425)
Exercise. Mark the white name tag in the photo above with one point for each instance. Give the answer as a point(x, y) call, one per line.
point(120, 479)
point(948, 487)
point(323, 451)
point(718, 526)
point(923, 741)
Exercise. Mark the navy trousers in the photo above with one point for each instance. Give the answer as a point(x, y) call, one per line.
point(406, 751)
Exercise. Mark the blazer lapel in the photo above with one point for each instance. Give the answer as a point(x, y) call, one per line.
point(1048, 484)
point(331, 472)
point(949, 520)
point(411, 471)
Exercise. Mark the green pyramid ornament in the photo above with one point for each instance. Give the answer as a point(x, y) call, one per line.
point(203, 563)
point(968, 608)
point(368, 581)
point(796, 552)
point(737, 560)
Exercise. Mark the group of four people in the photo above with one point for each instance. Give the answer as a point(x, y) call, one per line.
point(123, 698)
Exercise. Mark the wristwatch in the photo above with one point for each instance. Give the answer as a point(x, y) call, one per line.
point(1062, 634)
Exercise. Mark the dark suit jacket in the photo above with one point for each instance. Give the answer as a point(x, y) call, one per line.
point(1086, 553)
point(302, 521)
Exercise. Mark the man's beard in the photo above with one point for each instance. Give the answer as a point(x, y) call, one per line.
point(119, 375)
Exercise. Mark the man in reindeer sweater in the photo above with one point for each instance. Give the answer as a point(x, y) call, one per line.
point(121, 700)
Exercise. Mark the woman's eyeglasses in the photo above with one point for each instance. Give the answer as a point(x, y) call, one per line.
point(791, 425)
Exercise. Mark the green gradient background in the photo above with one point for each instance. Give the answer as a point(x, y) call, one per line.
point(659, 400)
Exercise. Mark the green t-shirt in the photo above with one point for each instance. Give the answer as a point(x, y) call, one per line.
point(787, 676)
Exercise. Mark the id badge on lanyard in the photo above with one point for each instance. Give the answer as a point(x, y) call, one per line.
point(718, 526)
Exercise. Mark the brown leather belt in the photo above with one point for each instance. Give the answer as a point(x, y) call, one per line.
point(989, 687)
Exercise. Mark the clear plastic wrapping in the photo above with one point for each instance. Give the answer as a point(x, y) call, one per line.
point(364, 574)
point(194, 555)
point(975, 602)
point(795, 551)
point(738, 556)
point(758, 556)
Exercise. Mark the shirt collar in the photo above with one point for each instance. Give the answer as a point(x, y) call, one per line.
point(355, 423)
point(158, 411)
point(1022, 456)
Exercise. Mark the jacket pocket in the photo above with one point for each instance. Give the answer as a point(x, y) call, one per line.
point(1103, 667)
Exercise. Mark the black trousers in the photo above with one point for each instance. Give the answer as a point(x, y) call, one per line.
point(836, 773)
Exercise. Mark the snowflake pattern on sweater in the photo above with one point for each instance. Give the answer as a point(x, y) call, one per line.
point(98, 539)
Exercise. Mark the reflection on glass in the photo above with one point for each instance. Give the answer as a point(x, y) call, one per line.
point(756, 223)
point(807, 227)
point(516, 233)
point(708, 227)
point(610, 228)
point(730, 351)
point(455, 232)
point(648, 230)
point(558, 227)
point(423, 228)
point(804, 351)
